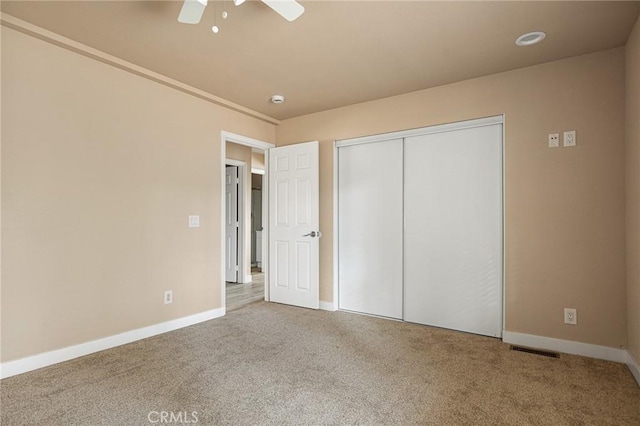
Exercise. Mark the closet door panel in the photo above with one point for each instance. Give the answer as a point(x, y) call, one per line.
point(453, 230)
point(370, 228)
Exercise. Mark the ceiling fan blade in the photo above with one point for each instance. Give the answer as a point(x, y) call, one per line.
point(192, 11)
point(288, 9)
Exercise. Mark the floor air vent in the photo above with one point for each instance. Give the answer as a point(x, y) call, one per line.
point(535, 351)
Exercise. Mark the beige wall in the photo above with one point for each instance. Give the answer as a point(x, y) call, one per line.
point(243, 153)
point(257, 160)
point(100, 170)
point(633, 190)
point(565, 228)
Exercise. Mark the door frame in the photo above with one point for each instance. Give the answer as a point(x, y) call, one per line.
point(241, 276)
point(225, 137)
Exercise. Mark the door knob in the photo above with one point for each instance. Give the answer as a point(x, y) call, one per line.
point(313, 234)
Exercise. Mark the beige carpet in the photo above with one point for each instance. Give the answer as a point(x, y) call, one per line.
point(274, 364)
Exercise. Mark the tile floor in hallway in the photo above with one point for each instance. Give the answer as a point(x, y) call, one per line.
point(239, 295)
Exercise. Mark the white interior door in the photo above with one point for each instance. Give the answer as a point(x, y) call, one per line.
point(294, 225)
point(370, 228)
point(231, 224)
point(453, 229)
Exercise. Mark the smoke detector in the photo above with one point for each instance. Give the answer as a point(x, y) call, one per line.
point(277, 99)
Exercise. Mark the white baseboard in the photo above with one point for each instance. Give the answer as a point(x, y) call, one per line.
point(327, 306)
point(565, 346)
point(634, 367)
point(248, 279)
point(19, 366)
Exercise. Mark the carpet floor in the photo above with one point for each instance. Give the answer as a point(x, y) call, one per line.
point(274, 364)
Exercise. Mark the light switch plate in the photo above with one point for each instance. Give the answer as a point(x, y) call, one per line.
point(194, 221)
point(554, 140)
point(569, 138)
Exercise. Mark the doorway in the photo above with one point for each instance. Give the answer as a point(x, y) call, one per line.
point(244, 219)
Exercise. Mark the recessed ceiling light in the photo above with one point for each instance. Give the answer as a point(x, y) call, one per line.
point(530, 38)
point(277, 99)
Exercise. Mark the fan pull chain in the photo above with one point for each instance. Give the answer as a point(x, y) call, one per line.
point(215, 28)
point(224, 10)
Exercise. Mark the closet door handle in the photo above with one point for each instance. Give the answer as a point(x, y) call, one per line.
point(313, 234)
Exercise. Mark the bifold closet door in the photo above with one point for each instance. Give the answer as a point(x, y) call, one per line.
point(453, 229)
point(370, 228)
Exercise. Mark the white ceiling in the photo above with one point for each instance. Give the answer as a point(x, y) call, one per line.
point(339, 52)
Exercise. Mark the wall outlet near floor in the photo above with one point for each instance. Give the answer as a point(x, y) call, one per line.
point(554, 140)
point(168, 297)
point(570, 316)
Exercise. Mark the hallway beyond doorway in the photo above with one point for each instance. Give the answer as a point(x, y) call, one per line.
point(239, 295)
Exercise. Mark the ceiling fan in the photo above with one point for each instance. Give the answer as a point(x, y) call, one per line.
point(192, 10)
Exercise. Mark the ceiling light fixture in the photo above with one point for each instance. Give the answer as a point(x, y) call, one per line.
point(530, 38)
point(277, 99)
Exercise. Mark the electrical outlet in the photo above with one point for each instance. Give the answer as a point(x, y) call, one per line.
point(554, 140)
point(168, 297)
point(194, 221)
point(570, 316)
point(569, 138)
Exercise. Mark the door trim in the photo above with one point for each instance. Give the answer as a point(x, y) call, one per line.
point(438, 128)
point(336, 246)
point(225, 137)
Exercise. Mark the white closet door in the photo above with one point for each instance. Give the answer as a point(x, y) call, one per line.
point(370, 228)
point(453, 229)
